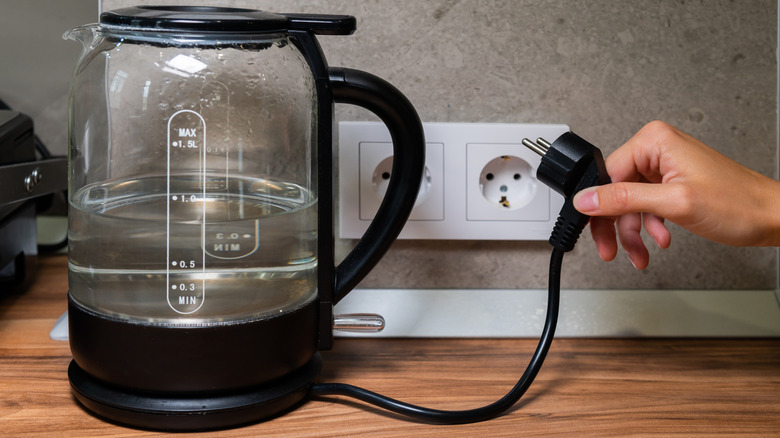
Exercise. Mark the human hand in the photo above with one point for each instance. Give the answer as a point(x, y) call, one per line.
point(664, 174)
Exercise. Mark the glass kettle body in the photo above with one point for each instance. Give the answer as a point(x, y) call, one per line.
point(192, 173)
point(200, 234)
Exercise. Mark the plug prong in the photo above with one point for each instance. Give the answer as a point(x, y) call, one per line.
point(538, 148)
point(545, 144)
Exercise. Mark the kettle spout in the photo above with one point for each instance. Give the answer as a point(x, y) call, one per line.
point(82, 34)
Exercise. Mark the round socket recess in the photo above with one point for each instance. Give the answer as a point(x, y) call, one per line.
point(381, 179)
point(506, 182)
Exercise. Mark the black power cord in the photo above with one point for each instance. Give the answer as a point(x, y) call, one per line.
point(568, 165)
point(470, 415)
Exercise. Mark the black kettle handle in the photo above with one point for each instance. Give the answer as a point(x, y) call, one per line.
point(394, 109)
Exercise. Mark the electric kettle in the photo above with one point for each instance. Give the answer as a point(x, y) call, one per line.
point(201, 264)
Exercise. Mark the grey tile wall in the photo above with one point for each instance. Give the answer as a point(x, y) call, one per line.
point(603, 67)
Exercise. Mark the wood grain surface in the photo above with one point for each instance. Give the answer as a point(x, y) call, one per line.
point(587, 387)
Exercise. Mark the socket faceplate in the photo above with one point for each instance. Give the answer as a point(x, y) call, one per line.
point(472, 167)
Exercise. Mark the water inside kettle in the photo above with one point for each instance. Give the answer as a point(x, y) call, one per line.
point(193, 248)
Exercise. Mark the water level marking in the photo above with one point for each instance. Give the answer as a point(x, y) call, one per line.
point(181, 279)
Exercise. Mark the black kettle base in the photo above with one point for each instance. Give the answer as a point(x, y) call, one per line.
point(191, 413)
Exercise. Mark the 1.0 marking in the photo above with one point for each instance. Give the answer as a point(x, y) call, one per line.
point(184, 198)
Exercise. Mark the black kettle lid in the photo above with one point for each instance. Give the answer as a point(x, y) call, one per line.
point(223, 19)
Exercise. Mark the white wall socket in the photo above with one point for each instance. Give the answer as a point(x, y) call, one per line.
point(479, 183)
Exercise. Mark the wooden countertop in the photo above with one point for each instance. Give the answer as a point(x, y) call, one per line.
point(595, 387)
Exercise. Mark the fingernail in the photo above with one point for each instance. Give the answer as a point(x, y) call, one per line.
point(586, 200)
point(631, 259)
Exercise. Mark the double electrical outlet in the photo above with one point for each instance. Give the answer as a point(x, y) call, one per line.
point(479, 181)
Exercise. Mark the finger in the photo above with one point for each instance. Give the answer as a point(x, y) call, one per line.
point(602, 230)
point(671, 201)
point(657, 230)
point(640, 157)
point(629, 232)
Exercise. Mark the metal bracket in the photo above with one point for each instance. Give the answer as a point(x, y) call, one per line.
point(31, 179)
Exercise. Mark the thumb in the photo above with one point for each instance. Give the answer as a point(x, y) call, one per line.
point(624, 197)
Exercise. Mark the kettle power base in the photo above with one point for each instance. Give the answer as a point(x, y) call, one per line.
point(191, 413)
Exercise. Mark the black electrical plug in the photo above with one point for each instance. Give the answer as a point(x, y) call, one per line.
point(569, 165)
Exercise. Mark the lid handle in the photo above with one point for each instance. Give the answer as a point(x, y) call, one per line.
point(322, 24)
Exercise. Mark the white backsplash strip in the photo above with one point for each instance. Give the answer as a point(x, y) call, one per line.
point(584, 313)
point(502, 313)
